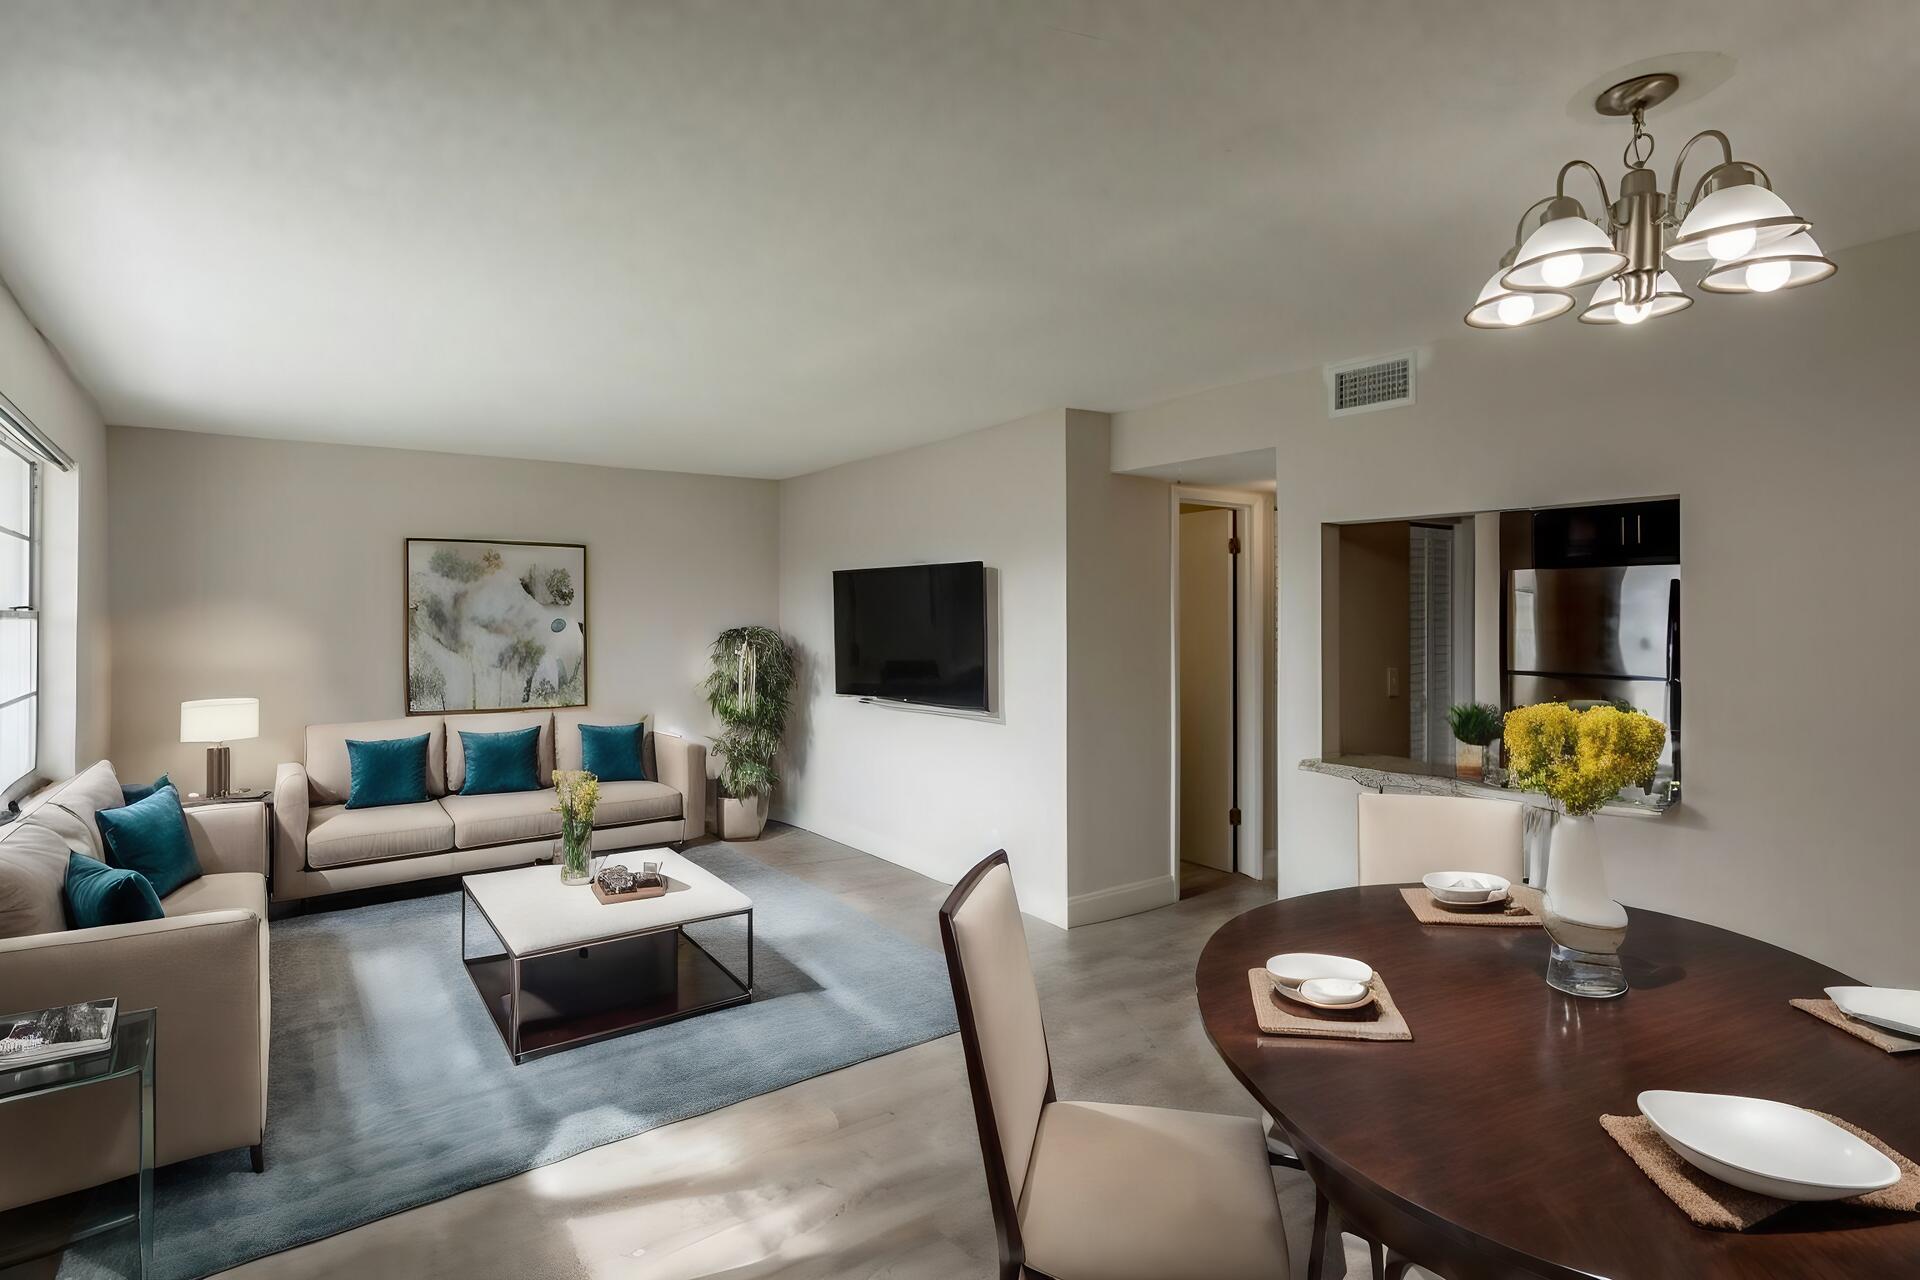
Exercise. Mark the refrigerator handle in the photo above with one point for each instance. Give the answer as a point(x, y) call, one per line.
point(1673, 671)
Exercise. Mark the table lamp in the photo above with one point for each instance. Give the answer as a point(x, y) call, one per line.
point(219, 721)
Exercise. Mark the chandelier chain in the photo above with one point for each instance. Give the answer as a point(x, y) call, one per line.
point(1633, 157)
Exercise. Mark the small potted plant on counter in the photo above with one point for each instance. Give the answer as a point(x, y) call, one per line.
point(1476, 725)
point(750, 690)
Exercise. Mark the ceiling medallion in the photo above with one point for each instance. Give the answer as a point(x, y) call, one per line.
point(1749, 239)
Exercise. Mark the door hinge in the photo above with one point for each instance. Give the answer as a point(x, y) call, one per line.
point(1233, 817)
point(1233, 546)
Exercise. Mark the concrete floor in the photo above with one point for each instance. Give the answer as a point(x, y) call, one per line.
point(872, 1171)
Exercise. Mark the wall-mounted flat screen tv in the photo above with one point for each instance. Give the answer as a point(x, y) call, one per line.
point(912, 633)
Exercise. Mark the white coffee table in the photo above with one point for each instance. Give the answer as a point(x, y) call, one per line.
point(575, 969)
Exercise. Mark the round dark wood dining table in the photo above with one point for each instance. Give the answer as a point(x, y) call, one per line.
point(1476, 1148)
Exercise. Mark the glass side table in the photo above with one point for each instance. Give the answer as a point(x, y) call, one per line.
point(54, 1226)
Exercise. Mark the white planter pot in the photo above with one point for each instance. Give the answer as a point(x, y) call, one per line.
point(1585, 924)
point(742, 819)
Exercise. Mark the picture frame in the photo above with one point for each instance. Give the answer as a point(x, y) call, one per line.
point(494, 624)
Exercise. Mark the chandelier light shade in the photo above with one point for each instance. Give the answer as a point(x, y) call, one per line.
point(1564, 253)
point(1785, 264)
point(1608, 305)
point(1747, 238)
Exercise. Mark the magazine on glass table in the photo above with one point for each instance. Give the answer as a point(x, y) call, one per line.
point(55, 1035)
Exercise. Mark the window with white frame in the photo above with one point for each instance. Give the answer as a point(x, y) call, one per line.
point(19, 618)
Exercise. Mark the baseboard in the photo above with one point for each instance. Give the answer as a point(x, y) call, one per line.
point(1122, 900)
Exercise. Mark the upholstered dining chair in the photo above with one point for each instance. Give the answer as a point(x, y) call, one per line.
point(1091, 1190)
point(1403, 837)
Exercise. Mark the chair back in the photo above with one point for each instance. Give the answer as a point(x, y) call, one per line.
point(1000, 1032)
point(1403, 837)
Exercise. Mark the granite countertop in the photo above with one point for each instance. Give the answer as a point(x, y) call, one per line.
point(1395, 773)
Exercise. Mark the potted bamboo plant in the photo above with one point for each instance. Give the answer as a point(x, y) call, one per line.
point(750, 690)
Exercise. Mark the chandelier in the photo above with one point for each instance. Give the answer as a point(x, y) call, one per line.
point(1732, 221)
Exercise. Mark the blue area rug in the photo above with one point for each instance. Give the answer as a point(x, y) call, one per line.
point(390, 1088)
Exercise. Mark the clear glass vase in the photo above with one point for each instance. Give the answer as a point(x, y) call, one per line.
point(575, 852)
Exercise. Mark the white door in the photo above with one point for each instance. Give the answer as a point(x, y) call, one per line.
point(1206, 687)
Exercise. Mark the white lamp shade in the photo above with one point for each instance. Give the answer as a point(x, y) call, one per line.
point(1563, 254)
point(1729, 214)
point(219, 719)
point(1605, 306)
point(1785, 264)
point(1520, 309)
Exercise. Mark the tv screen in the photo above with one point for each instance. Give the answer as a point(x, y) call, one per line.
point(915, 633)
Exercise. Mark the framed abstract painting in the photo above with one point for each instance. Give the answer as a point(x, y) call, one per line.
point(495, 626)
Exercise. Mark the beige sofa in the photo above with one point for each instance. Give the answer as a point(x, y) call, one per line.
point(203, 967)
point(323, 847)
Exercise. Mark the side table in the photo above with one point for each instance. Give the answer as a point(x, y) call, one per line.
point(52, 1227)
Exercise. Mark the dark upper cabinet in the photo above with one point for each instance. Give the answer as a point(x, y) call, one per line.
point(1619, 533)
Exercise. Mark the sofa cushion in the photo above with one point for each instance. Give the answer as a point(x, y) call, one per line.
point(220, 891)
point(97, 894)
point(493, 763)
point(33, 873)
point(611, 752)
point(503, 819)
point(386, 771)
point(136, 792)
point(566, 736)
point(329, 773)
point(150, 836)
point(625, 802)
point(339, 837)
point(80, 797)
point(503, 722)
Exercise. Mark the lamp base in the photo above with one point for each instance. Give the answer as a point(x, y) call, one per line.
point(219, 771)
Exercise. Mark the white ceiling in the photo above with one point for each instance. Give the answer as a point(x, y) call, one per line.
point(759, 239)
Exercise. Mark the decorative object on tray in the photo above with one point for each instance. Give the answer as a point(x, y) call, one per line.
point(1377, 1019)
point(1582, 759)
point(495, 626)
point(53, 1035)
point(617, 883)
point(1476, 726)
point(578, 795)
point(1830, 1013)
point(749, 690)
point(1519, 909)
point(1710, 1202)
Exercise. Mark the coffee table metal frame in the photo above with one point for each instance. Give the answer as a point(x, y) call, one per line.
point(507, 1022)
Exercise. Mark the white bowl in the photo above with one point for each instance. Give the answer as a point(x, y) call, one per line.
point(1890, 1007)
point(1296, 967)
point(1465, 887)
point(1769, 1147)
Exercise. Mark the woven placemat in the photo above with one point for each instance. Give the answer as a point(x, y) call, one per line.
point(1279, 1016)
point(1713, 1203)
point(1879, 1037)
point(1519, 912)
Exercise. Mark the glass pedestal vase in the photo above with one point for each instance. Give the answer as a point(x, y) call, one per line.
point(575, 853)
point(1585, 925)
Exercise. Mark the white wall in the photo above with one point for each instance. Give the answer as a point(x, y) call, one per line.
point(1786, 425)
point(273, 569)
point(74, 688)
point(935, 792)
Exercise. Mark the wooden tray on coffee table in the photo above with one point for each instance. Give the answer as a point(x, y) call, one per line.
point(634, 894)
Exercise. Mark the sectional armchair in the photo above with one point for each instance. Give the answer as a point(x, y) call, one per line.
point(323, 847)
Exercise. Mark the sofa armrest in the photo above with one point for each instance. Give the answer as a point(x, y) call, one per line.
point(683, 766)
point(230, 837)
point(206, 974)
point(290, 800)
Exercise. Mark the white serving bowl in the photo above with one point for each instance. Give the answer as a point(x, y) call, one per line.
point(1296, 967)
point(1463, 888)
point(1769, 1147)
point(1894, 1008)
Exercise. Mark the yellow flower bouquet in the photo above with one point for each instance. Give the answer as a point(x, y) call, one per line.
point(1581, 758)
point(578, 793)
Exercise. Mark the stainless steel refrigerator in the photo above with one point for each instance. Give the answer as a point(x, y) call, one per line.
point(1599, 634)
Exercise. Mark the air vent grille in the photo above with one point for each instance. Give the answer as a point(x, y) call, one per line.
point(1361, 386)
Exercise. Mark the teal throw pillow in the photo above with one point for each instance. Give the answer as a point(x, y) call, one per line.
point(140, 790)
point(386, 771)
point(611, 752)
point(97, 894)
point(150, 836)
point(497, 762)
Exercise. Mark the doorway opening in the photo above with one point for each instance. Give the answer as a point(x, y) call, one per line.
point(1219, 644)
